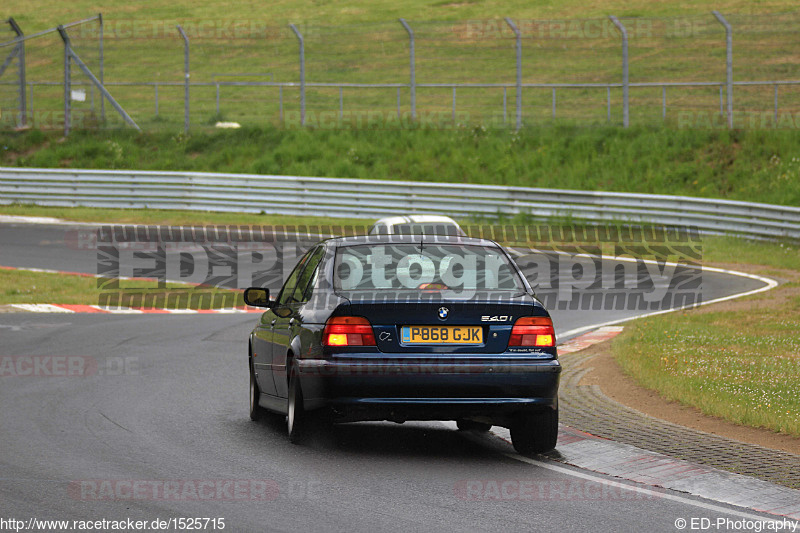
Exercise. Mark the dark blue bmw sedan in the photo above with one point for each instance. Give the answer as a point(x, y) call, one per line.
point(407, 327)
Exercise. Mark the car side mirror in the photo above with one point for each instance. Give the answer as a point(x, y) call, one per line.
point(257, 297)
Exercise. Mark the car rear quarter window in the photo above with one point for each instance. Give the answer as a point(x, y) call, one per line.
point(302, 291)
point(288, 290)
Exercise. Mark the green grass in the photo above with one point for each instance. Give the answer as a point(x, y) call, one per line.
point(457, 42)
point(174, 218)
point(23, 287)
point(778, 255)
point(40, 14)
point(741, 365)
point(760, 166)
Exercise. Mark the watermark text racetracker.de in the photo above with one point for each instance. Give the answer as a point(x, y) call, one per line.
point(536, 490)
point(67, 366)
point(183, 490)
point(569, 267)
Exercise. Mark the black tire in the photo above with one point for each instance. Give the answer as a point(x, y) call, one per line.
point(296, 417)
point(256, 411)
point(536, 432)
point(467, 425)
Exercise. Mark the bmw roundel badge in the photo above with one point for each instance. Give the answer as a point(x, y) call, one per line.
point(443, 312)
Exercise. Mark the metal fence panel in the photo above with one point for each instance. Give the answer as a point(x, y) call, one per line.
point(465, 72)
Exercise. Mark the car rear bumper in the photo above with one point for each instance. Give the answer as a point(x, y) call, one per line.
point(446, 389)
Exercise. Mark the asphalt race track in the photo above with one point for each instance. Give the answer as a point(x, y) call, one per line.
point(57, 247)
point(157, 428)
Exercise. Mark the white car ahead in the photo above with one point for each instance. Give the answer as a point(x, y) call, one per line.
point(416, 225)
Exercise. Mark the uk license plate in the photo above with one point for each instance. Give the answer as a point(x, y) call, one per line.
point(442, 334)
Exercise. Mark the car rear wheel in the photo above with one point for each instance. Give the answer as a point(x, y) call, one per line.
point(467, 425)
point(535, 433)
point(256, 411)
point(296, 417)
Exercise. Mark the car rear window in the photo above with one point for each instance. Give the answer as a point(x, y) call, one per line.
point(376, 267)
point(426, 229)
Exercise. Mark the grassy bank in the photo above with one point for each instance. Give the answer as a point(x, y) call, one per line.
point(44, 12)
point(23, 287)
point(752, 165)
point(362, 42)
point(741, 364)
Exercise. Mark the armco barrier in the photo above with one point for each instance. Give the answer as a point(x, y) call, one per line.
point(374, 198)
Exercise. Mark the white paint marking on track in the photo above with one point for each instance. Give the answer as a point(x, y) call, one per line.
point(580, 473)
point(640, 490)
point(769, 284)
point(42, 308)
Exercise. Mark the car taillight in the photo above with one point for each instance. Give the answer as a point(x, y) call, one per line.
point(533, 331)
point(348, 331)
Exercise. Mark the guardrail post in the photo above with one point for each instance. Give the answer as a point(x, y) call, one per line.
point(185, 79)
point(302, 74)
point(728, 63)
point(518, 35)
point(412, 61)
point(20, 50)
point(102, 71)
point(625, 101)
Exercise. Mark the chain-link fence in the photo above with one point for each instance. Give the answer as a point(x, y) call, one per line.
point(494, 72)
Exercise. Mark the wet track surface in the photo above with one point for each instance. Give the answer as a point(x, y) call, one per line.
point(166, 404)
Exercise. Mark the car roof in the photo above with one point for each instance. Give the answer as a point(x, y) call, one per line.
point(416, 219)
point(410, 239)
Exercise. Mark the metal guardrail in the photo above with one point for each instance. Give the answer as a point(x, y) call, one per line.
point(341, 197)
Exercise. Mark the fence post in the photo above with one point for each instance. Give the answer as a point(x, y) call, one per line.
point(102, 72)
point(776, 104)
point(67, 80)
point(728, 63)
point(69, 56)
point(302, 74)
point(413, 81)
point(505, 105)
point(519, 70)
point(624, 32)
point(185, 79)
point(20, 47)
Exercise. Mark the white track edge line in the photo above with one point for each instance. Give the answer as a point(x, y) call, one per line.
point(642, 490)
